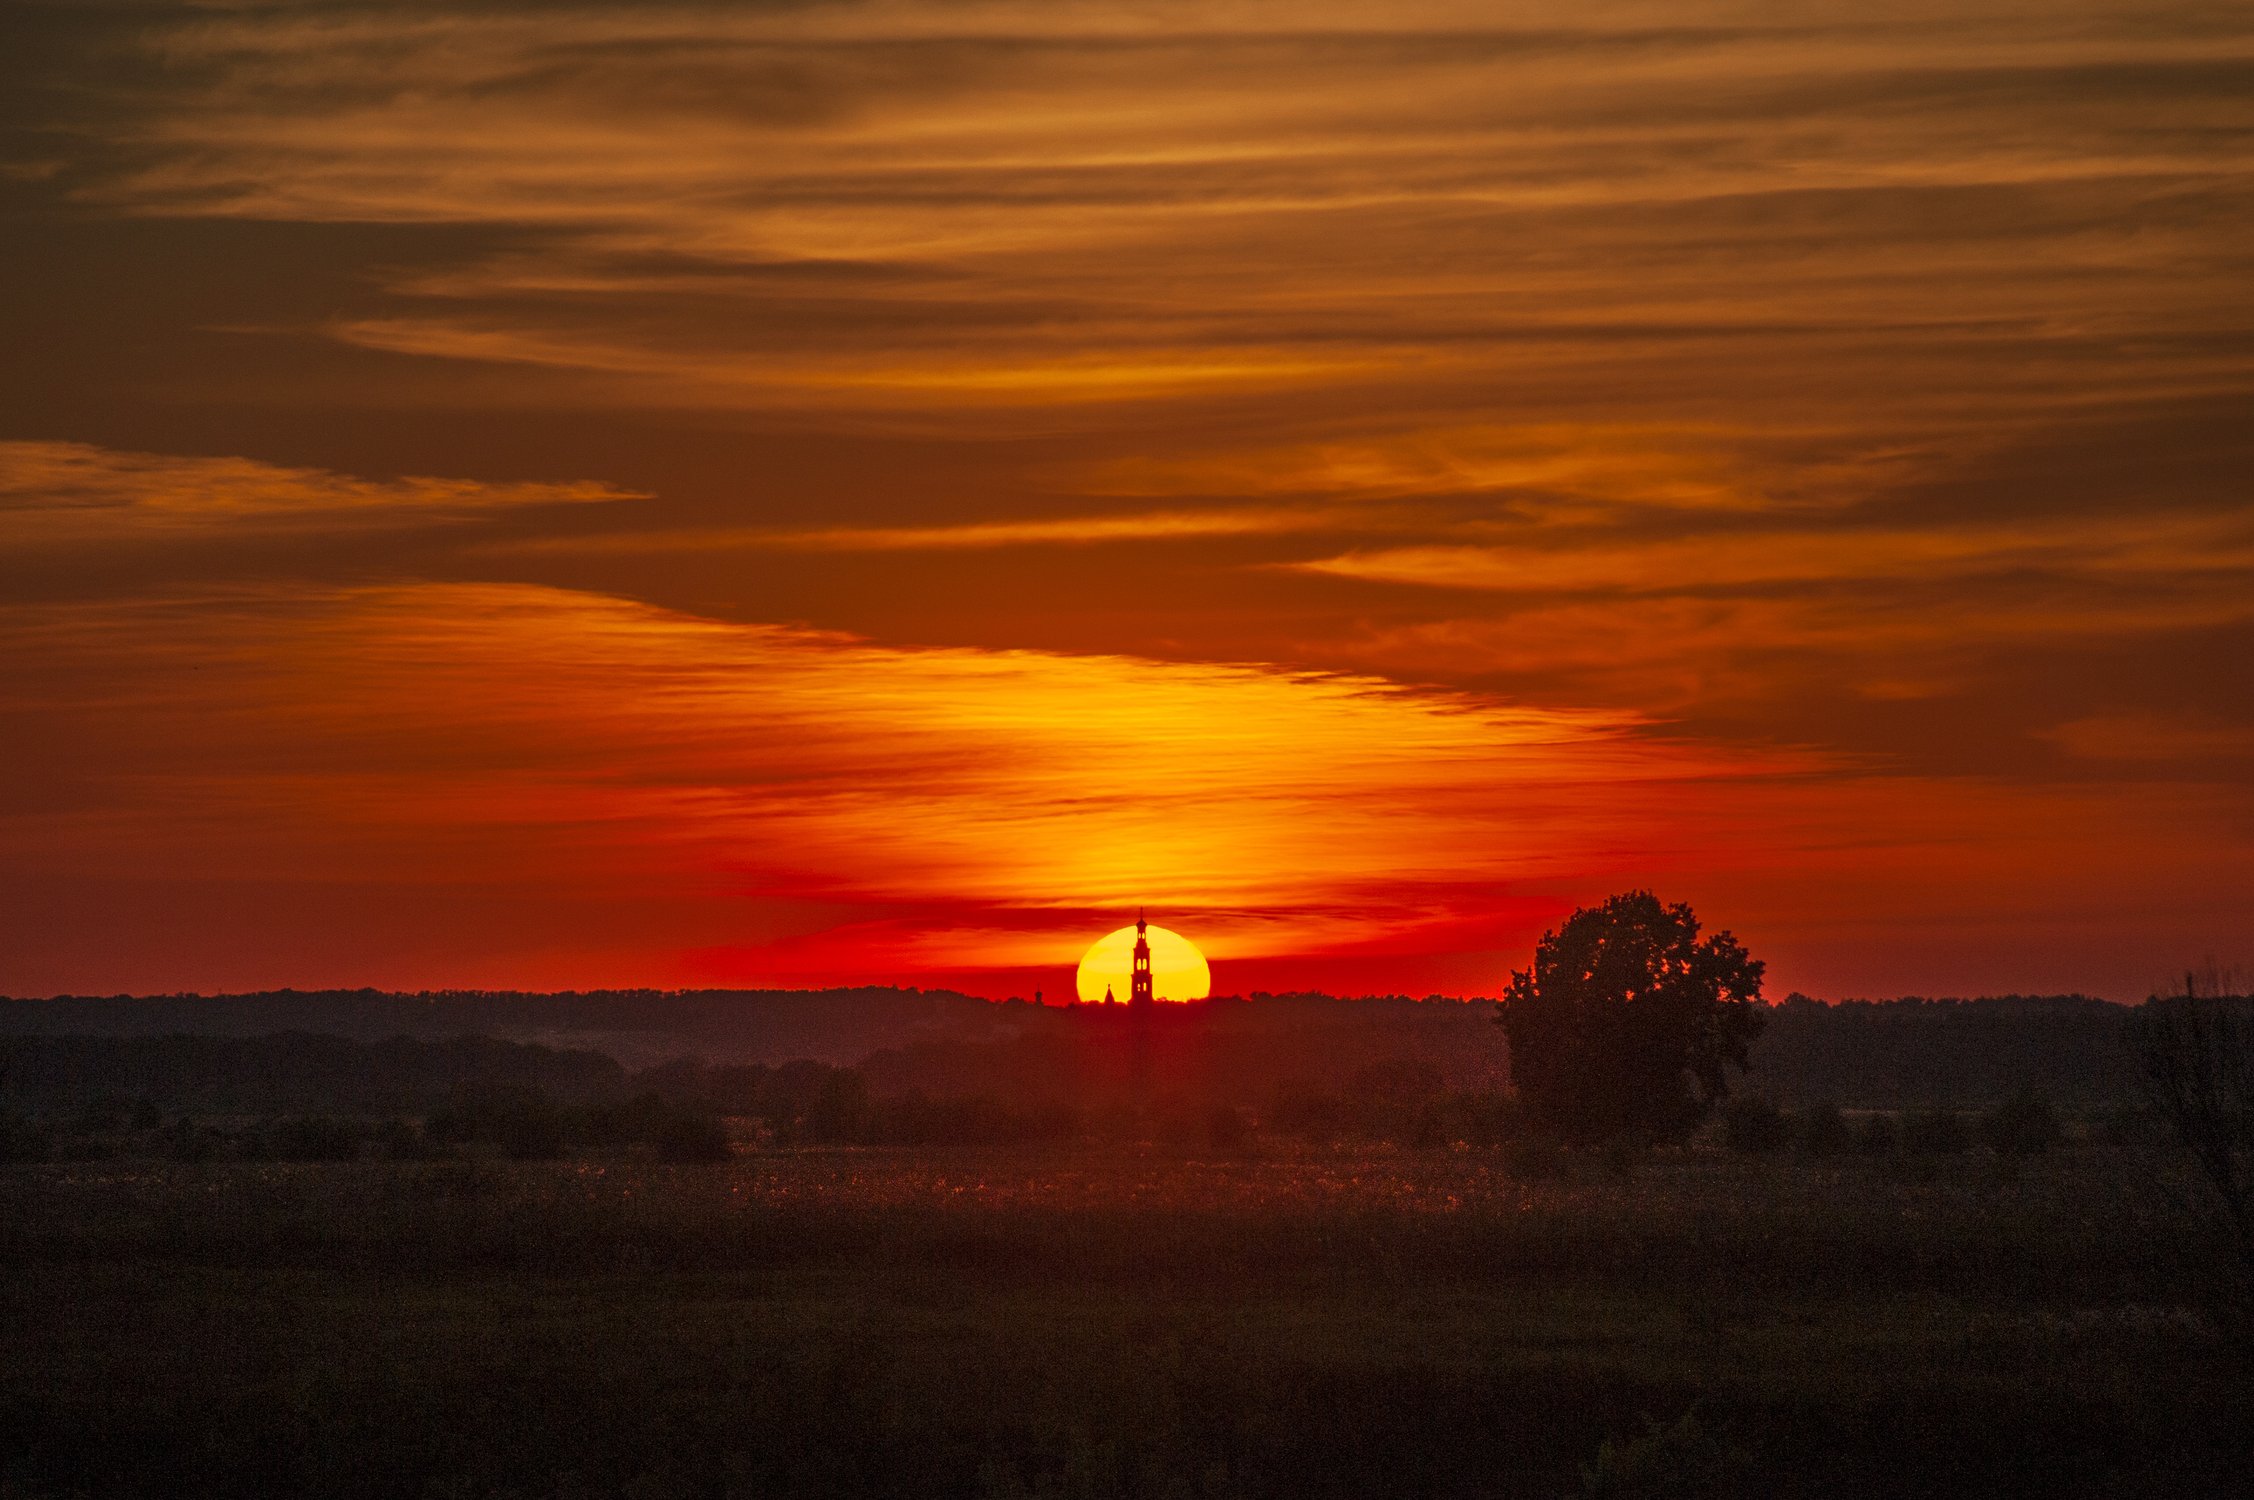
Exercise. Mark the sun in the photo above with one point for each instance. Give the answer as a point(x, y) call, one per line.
point(1177, 969)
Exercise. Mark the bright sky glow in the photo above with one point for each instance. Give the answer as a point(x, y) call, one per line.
point(681, 493)
point(1177, 970)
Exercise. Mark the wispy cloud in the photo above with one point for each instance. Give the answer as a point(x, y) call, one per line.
point(2132, 547)
point(2153, 738)
point(75, 493)
point(1057, 531)
point(884, 205)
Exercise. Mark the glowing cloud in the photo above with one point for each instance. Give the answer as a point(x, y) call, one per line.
point(578, 785)
point(76, 493)
point(533, 739)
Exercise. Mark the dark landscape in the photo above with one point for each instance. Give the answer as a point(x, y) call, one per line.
point(246, 1262)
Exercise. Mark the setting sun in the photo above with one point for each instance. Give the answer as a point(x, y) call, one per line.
point(1178, 970)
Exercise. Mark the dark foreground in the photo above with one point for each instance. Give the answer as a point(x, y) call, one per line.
point(1110, 1323)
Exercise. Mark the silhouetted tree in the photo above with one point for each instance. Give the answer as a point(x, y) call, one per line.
point(2198, 1055)
point(1628, 1020)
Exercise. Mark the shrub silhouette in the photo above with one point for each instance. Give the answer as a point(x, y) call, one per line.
point(20, 1139)
point(1935, 1132)
point(1536, 1158)
point(310, 1138)
point(1628, 1021)
point(1878, 1135)
point(524, 1122)
point(1225, 1128)
point(693, 1138)
point(1823, 1131)
point(1680, 1460)
point(1753, 1123)
point(2197, 1052)
point(1308, 1112)
point(2023, 1125)
point(185, 1140)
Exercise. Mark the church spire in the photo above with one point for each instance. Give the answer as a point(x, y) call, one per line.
point(1140, 992)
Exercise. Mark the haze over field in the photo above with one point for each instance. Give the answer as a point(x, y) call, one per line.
point(560, 496)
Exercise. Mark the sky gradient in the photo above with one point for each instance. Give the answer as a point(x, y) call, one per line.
point(559, 496)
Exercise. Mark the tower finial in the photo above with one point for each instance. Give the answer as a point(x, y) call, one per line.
point(1139, 994)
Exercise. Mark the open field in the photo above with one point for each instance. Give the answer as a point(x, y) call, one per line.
point(1098, 1321)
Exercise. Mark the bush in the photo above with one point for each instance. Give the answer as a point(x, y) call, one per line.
point(400, 1140)
point(20, 1139)
point(1620, 1155)
point(185, 1140)
point(1385, 1099)
point(1753, 1123)
point(694, 1138)
point(524, 1122)
point(637, 1119)
point(1823, 1130)
point(1536, 1158)
point(1682, 1459)
point(310, 1138)
point(104, 1114)
point(1225, 1128)
point(2023, 1125)
point(1878, 1135)
point(2127, 1125)
point(967, 1120)
point(1308, 1113)
point(1935, 1132)
point(532, 1137)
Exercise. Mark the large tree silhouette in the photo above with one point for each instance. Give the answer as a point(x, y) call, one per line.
point(1628, 1019)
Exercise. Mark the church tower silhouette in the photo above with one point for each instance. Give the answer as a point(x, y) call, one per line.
point(1140, 991)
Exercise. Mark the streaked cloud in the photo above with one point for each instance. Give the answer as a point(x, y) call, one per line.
point(2151, 737)
point(1065, 531)
point(1557, 469)
point(2120, 546)
point(73, 494)
point(580, 785)
point(909, 204)
point(534, 740)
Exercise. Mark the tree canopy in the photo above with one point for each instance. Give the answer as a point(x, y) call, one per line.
point(1628, 1020)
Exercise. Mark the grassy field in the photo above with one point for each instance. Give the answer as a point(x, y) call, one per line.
point(1113, 1322)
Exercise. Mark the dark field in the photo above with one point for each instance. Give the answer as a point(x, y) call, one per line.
point(1099, 1321)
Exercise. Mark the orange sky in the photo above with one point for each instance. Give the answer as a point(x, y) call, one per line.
point(645, 494)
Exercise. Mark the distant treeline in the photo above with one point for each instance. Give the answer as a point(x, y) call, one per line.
point(369, 1052)
point(295, 1097)
point(290, 1070)
point(636, 1026)
point(1914, 1051)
